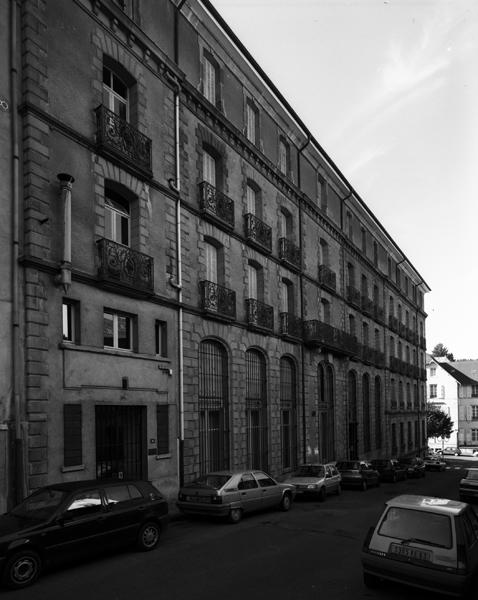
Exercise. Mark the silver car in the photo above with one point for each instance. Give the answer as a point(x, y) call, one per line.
point(234, 493)
point(317, 480)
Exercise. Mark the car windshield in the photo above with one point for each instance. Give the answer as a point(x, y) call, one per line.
point(41, 505)
point(311, 471)
point(348, 465)
point(214, 481)
point(472, 475)
point(417, 525)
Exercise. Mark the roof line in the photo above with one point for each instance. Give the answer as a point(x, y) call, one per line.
point(245, 52)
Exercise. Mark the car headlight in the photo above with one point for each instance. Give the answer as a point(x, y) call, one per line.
point(311, 486)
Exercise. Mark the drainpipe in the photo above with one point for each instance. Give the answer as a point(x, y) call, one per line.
point(301, 279)
point(14, 410)
point(175, 185)
point(64, 277)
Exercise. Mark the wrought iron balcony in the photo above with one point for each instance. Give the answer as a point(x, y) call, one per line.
point(121, 265)
point(379, 359)
point(367, 305)
point(218, 300)
point(259, 315)
point(367, 354)
point(353, 296)
point(257, 233)
point(290, 326)
point(394, 364)
point(327, 278)
point(289, 253)
point(117, 137)
point(318, 334)
point(215, 205)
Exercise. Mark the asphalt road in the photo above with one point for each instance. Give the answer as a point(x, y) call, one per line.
point(311, 552)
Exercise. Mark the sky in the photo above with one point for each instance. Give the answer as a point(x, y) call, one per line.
point(389, 88)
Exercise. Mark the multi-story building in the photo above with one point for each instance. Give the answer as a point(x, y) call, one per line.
point(193, 282)
point(453, 387)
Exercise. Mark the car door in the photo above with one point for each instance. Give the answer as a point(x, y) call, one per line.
point(250, 494)
point(331, 479)
point(125, 510)
point(79, 528)
point(271, 493)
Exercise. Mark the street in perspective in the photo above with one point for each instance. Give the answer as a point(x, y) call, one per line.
point(311, 551)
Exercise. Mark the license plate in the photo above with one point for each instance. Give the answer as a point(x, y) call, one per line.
point(200, 499)
point(410, 553)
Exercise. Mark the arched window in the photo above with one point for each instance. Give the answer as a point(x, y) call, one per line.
point(288, 413)
point(366, 412)
point(352, 415)
point(256, 410)
point(378, 413)
point(213, 404)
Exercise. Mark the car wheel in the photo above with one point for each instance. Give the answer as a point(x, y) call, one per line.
point(339, 490)
point(364, 486)
point(286, 502)
point(148, 536)
point(371, 581)
point(22, 569)
point(235, 515)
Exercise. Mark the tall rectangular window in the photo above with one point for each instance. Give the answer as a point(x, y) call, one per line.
point(115, 94)
point(162, 427)
point(117, 330)
point(209, 168)
point(474, 391)
point(71, 321)
point(474, 413)
point(211, 263)
point(251, 122)
point(251, 200)
point(210, 80)
point(474, 435)
point(283, 157)
point(433, 390)
point(72, 442)
point(117, 218)
point(161, 338)
point(322, 192)
point(252, 277)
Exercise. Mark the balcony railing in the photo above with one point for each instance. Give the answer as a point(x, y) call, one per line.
point(290, 326)
point(320, 334)
point(257, 232)
point(367, 354)
point(289, 253)
point(215, 205)
point(117, 136)
point(353, 296)
point(218, 300)
point(259, 315)
point(122, 265)
point(327, 278)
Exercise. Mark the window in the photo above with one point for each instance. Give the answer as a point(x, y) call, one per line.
point(284, 156)
point(365, 336)
point(117, 330)
point(474, 391)
point(364, 240)
point(433, 390)
point(72, 441)
point(117, 218)
point(256, 410)
point(378, 413)
point(474, 412)
point(287, 296)
point(285, 224)
point(375, 254)
point(85, 503)
point(209, 168)
point(210, 79)
point(252, 277)
point(251, 200)
point(115, 94)
point(352, 325)
point(162, 428)
point(70, 318)
point(366, 413)
point(324, 252)
point(350, 275)
point(474, 435)
point(325, 306)
point(161, 338)
point(377, 339)
point(252, 122)
point(364, 289)
point(117, 494)
point(393, 393)
point(288, 413)
point(433, 370)
point(322, 193)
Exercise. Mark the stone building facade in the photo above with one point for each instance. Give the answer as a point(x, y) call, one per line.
point(197, 284)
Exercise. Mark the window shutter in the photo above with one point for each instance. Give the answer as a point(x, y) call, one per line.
point(162, 424)
point(72, 442)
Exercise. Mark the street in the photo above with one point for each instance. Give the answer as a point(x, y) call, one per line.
point(310, 552)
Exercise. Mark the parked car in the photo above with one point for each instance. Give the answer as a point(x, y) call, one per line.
point(390, 469)
point(233, 493)
point(450, 451)
point(468, 452)
point(425, 542)
point(77, 518)
point(358, 473)
point(469, 486)
point(415, 466)
point(434, 463)
point(316, 480)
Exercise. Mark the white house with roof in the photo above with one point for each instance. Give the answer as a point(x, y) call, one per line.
point(453, 387)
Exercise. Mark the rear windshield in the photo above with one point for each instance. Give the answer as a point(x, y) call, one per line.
point(347, 466)
point(417, 526)
point(311, 471)
point(213, 481)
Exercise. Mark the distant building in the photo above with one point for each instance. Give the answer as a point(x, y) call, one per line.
point(190, 282)
point(453, 387)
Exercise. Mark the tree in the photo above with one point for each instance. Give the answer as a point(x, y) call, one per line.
point(439, 423)
point(441, 350)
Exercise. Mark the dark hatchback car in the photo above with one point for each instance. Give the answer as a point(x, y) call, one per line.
point(415, 466)
point(390, 469)
point(358, 473)
point(77, 518)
